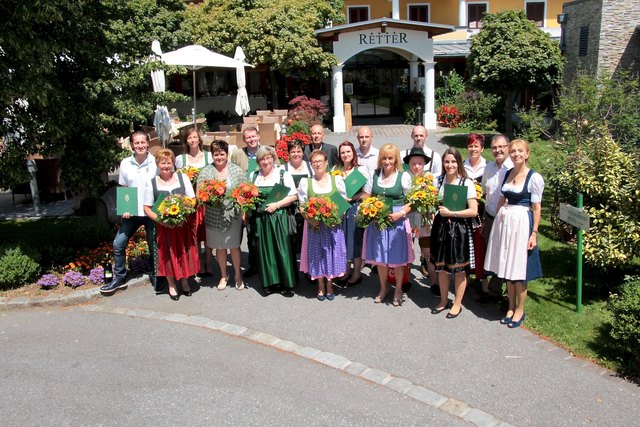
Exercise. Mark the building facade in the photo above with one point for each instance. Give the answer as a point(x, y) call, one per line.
point(377, 76)
point(600, 36)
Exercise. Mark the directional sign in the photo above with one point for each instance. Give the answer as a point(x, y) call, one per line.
point(574, 216)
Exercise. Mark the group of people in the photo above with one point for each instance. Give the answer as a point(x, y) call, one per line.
point(495, 236)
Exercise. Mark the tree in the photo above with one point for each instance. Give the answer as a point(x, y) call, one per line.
point(510, 54)
point(76, 74)
point(278, 34)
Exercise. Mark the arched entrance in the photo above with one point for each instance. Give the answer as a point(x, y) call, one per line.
point(411, 40)
point(376, 83)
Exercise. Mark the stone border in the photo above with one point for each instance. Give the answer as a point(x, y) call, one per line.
point(73, 298)
point(400, 385)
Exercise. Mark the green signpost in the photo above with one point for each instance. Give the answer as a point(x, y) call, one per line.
point(579, 219)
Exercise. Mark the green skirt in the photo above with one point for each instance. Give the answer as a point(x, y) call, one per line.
point(276, 262)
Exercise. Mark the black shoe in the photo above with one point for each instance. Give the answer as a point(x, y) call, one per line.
point(287, 293)
point(186, 293)
point(435, 289)
point(250, 272)
point(406, 286)
point(113, 286)
point(267, 291)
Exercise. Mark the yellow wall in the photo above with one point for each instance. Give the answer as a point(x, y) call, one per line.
point(446, 11)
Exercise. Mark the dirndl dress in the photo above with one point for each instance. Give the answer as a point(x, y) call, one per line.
point(507, 255)
point(452, 242)
point(273, 243)
point(393, 246)
point(324, 252)
point(176, 248)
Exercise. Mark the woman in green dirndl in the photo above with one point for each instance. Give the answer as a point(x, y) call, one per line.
point(271, 227)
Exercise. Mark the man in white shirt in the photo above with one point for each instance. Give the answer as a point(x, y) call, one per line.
point(494, 173)
point(135, 171)
point(367, 154)
point(419, 136)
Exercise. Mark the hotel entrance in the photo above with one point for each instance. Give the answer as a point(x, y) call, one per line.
point(376, 83)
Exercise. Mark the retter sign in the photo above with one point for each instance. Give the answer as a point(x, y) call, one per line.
point(383, 38)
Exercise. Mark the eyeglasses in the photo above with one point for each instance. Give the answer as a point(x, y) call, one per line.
point(498, 147)
point(317, 162)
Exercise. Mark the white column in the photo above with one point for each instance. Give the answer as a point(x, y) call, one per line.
point(429, 118)
point(395, 9)
point(413, 75)
point(462, 13)
point(339, 122)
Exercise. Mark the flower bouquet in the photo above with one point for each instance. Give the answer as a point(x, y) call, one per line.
point(211, 192)
point(337, 172)
point(423, 197)
point(322, 210)
point(191, 172)
point(245, 196)
point(479, 192)
point(373, 209)
point(175, 209)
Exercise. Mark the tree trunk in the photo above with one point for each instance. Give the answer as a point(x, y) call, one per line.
point(508, 122)
point(275, 102)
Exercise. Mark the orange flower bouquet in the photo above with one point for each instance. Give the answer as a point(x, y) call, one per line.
point(245, 196)
point(175, 209)
point(322, 210)
point(191, 172)
point(373, 209)
point(211, 192)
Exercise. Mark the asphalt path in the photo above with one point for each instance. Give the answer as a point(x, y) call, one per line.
point(69, 367)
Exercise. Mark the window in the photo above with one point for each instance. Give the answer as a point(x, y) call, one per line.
point(583, 41)
point(358, 13)
point(535, 12)
point(419, 12)
point(475, 12)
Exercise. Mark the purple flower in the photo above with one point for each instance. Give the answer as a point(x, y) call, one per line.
point(48, 281)
point(73, 279)
point(96, 276)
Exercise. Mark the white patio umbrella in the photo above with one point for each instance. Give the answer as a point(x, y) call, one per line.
point(195, 57)
point(162, 122)
point(242, 99)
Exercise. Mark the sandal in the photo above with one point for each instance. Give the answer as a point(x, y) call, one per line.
point(240, 286)
point(397, 302)
point(222, 284)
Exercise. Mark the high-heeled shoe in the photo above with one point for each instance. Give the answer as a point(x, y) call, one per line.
point(222, 284)
point(516, 324)
point(175, 297)
point(397, 302)
point(186, 292)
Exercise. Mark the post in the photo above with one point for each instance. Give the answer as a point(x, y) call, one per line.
point(32, 168)
point(579, 263)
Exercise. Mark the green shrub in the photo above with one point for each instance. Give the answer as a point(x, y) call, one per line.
point(478, 110)
point(532, 124)
point(608, 179)
point(56, 240)
point(625, 325)
point(298, 126)
point(614, 101)
point(448, 87)
point(17, 266)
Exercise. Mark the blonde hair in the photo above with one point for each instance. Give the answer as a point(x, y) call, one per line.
point(521, 143)
point(387, 149)
point(163, 154)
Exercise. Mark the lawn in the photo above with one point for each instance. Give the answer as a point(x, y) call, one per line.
point(551, 304)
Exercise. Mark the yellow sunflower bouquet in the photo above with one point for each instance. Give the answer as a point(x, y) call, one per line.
point(373, 209)
point(423, 197)
point(191, 172)
point(479, 192)
point(175, 209)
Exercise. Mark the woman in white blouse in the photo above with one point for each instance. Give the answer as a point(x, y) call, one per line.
point(513, 253)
